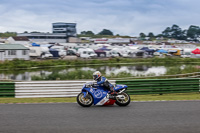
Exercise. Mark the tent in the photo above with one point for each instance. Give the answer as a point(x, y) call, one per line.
point(104, 49)
point(149, 51)
point(162, 51)
point(196, 51)
point(100, 53)
point(35, 44)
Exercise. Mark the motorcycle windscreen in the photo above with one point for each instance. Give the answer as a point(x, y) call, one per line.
point(119, 87)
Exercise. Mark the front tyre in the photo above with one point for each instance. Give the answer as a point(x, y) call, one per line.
point(123, 101)
point(85, 101)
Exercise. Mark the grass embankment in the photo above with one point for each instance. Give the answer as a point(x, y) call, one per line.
point(81, 74)
point(21, 65)
point(155, 97)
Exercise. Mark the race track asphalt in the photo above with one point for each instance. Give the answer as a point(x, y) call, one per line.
point(138, 117)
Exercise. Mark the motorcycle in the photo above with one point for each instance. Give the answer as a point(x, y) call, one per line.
point(92, 93)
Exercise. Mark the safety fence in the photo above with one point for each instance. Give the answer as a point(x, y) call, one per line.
point(32, 89)
point(47, 89)
point(160, 86)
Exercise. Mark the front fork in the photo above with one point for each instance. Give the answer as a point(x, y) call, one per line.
point(85, 94)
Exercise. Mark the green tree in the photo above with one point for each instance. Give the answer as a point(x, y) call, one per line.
point(174, 32)
point(105, 32)
point(142, 35)
point(193, 32)
point(83, 32)
point(87, 33)
point(166, 32)
point(35, 32)
point(8, 34)
point(151, 34)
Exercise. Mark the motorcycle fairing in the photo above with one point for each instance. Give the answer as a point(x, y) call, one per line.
point(99, 95)
point(119, 87)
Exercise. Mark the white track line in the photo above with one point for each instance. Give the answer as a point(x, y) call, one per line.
point(131, 102)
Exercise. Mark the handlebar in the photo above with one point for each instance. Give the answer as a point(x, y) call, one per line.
point(91, 84)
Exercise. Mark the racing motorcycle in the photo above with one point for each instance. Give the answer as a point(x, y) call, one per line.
point(92, 93)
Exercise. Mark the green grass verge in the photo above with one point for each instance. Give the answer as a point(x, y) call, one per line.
point(167, 97)
point(154, 97)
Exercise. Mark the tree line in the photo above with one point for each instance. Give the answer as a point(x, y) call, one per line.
point(103, 32)
point(175, 32)
point(8, 34)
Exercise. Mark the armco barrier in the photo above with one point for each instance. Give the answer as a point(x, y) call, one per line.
point(7, 89)
point(49, 88)
point(160, 86)
point(31, 89)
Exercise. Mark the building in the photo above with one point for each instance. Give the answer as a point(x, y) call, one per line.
point(18, 40)
point(13, 51)
point(45, 37)
point(66, 28)
point(61, 32)
point(112, 40)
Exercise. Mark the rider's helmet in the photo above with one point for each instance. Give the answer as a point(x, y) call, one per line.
point(96, 75)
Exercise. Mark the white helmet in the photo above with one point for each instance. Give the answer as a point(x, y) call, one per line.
point(96, 75)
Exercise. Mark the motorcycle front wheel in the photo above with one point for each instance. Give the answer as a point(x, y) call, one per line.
point(85, 101)
point(123, 102)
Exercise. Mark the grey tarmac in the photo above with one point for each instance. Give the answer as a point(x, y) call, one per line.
point(138, 117)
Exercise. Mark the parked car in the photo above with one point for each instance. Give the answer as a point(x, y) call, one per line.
point(71, 52)
point(112, 54)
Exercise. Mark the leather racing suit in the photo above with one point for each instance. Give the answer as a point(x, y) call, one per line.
point(104, 82)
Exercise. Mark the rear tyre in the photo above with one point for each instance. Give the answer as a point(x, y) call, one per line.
point(123, 102)
point(85, 101)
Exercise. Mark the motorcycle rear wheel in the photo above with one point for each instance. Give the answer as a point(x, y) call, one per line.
point(123, 102)
point(84, 101)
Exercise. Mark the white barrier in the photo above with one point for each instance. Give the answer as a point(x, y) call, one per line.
point(33, 89)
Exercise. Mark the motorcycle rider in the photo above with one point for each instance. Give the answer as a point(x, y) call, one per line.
point(104, 82)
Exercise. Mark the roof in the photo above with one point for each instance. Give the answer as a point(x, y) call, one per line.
point(99, 51)
point(63, 23)
point(20, 38)
point(13, 47)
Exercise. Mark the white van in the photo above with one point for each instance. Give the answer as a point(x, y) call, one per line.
point(123, 52)
point(42, 52)
point(186, 52)
point(86, 53)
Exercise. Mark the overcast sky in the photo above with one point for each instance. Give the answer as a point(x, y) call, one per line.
point(124, 17)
